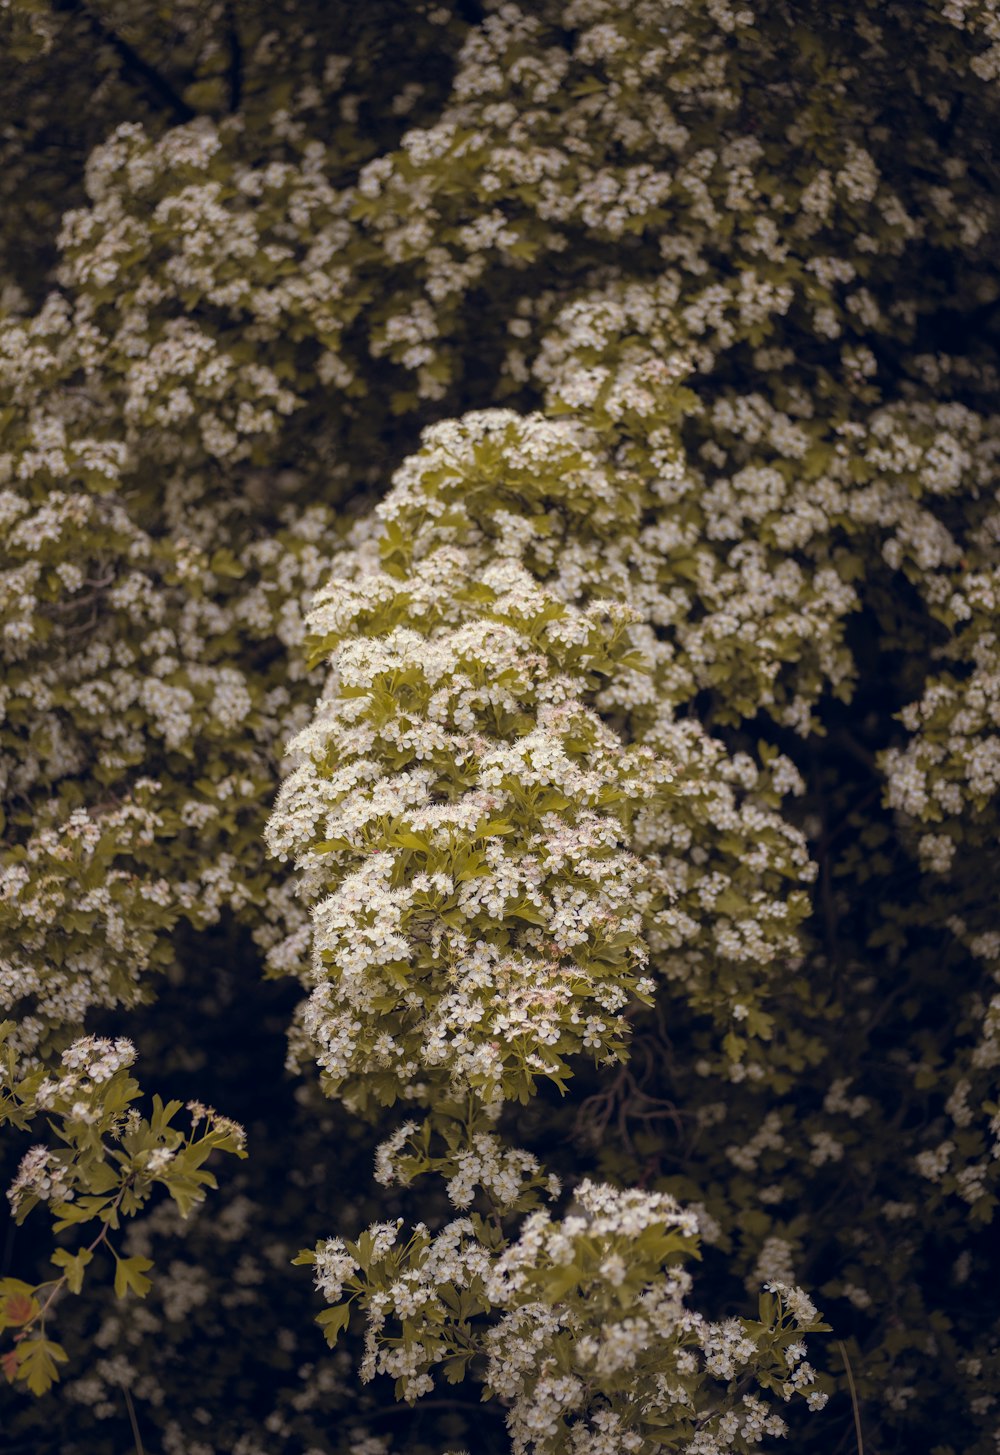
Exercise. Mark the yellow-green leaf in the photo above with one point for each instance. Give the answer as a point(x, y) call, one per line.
point(130, 1274)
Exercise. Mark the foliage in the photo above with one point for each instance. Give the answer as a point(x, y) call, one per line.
point(571, 430)
point(89, 1181)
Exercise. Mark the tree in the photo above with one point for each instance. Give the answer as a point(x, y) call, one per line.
point(572, 428)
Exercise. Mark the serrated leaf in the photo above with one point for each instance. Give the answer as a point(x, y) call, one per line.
point(103, 1178)
point(81, 1211)
point(454, 1370)
point(36, 1363)
point(17, 1309)
point(333, 1322)
point(130, 1273)
point(73, 1265)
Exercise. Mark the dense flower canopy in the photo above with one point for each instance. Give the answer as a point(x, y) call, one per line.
point(499, 581)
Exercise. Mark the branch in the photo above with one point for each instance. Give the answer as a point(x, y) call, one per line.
point(235, 59)
point(58, 1283)
point(133, 63)
point(132, 1420)
point(390, 1411)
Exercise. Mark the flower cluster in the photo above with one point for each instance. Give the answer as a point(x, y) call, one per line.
point(583, 1321)
point(470, 813)
point(673, 329)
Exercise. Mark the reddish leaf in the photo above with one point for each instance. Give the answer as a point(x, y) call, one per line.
point(19, 1308)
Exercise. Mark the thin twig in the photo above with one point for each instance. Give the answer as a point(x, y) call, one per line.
point(132, 1420)
point(59, 1283)
point(854, 1395)
point(391, 1411)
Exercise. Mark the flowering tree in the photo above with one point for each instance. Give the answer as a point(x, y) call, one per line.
point(500, 529)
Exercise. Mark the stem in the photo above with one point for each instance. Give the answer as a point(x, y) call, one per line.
point(132, 1420)
point(57, 1285)
point(429, 1404)
point(854, 1395)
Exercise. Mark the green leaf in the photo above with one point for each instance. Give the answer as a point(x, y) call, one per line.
point(73, 1264)
point(528, 912)
point(36, 1363)
point(103, 1178)
point(560, 1281)
point(10, 1286)
point(163, 1114)
point(224, 563)
point(454, 1369)
point(81, 1211)
point(333, 1321)
point(130, 1274)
